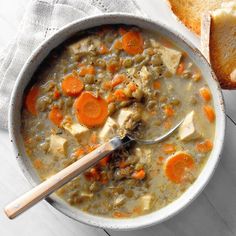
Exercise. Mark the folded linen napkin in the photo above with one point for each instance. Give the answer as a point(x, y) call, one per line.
point(41, 19)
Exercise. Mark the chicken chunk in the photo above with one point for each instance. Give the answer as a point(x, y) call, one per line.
point(189, 129)
point(170, 58)
point(144, 154)
point(146, 202)
point(124, 116)
point(145, 76)
point(77, 130)
point(108, 130)
point(83, 46)
point(57, 146)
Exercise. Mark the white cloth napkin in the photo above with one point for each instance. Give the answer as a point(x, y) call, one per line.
point(41, 19)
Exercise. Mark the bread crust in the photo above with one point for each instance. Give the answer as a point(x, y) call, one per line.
point(210, 49)
point(190, 12)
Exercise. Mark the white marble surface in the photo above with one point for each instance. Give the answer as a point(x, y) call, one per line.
point(212, 213)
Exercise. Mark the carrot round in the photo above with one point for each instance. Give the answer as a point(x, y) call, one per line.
point(55, 116)
point(31, 99)
point(91, 110)
point(120, 95)
point(72, 86)
point(132, 86)
point(209, 113)
point(169, 148)
point(132, 42)
point(205, 146)
point(205, 93)
point(103, 49)
point(104, 161)
point(139, 175)
point(176, 166)
point(118, 79)
point(90, 70)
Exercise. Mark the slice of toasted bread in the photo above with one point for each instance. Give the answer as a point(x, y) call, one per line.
point(190, 11)
point(218, 42)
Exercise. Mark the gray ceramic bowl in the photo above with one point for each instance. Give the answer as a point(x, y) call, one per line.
point(15, 121)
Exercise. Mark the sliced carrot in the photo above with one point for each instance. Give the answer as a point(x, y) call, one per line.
point(103, 49)
point(209, 113)
point(176, 166)
point(180, 68)
point(118, 79)
point(169, 148)
point(94, 138)
point(139, 175)
point(107, 85)
point(79, 152)
point(156, 84)
point(205, 93)
point(104, 161)
point(113, 67)
point(110, 98)
point(71, 85)
point(38, 164)
point(132, 86)
point(56, 94)
point(118, 45)
point(92, 175)
point(55, 116)
point(91, 110)
point(120, 95)
point(87, 70)
point(169, 111)
point(122, 164)
point(205, 146)
point(122, 31)
point(119, 214)
point(132, 42)
point(31, 99)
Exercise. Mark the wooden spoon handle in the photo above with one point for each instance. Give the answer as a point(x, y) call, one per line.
point(56, 181)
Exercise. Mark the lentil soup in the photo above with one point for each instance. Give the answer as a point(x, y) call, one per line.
point(108, 81)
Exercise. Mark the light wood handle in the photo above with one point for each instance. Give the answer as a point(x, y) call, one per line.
point(56, 181)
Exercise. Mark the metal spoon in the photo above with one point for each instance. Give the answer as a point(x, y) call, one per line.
point(56, 181)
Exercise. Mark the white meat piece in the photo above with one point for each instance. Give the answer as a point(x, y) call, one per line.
point(86, 195)
point(83, 46)
point(146, 202)
point(77, 130)
point(108, 130)
point(57, 145)
point(155, 43)
point(170, 58)
point(123, 116)
point(119, 200)
point(144, 155)
point(145, 76)
point(189, 129)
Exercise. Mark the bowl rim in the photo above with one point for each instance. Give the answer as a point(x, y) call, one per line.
point(99, 221)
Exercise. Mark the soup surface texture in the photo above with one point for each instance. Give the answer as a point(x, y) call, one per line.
point(106, 82)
